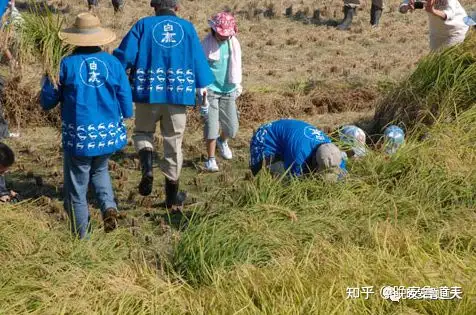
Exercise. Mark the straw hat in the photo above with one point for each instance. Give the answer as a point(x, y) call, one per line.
point(87, 31)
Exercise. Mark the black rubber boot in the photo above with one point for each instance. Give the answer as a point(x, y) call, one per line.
point(348, 16)
point(174, 200)
point(146, 183)
point(375, 14)
point(171, 191)
point(118, 5)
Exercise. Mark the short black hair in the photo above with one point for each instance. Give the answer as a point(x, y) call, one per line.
point(7, 157)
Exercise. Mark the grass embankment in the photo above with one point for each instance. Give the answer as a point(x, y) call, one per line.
point(441, 87)
point(267, 246)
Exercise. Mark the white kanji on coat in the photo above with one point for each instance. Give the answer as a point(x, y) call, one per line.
point(93, 75)
point(168, 35)
point(93, 72)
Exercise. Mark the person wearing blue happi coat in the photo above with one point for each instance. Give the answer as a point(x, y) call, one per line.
point(167, 65)
point(299, 146)
point(3, 7)
point(95, 97)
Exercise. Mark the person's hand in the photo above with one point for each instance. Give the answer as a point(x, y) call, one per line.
point(5, 198)
point(8, 198)
point(204, 108)
point(202, 92)
point(202, 97)
point(429, 6)
point(239, 90)
point(406, 6)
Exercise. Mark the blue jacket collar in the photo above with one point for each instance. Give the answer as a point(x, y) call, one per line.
point(87, 50)
point(163, 12)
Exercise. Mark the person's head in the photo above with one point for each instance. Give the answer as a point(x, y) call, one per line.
point(7, 158)
point(354, 138)
point(328, 159)
point(223, 26)
point(87, 32)
point(164, 5)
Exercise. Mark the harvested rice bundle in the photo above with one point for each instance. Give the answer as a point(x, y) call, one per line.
point(40, 38)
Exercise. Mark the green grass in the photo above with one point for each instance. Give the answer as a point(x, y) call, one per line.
point(441, 87)
point(264, 245)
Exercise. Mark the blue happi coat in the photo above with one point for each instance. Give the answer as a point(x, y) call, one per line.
point(95, 96)
point(166, 60)
point(3, 8)
point(292, 141)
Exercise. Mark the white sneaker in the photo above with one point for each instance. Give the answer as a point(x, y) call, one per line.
point(211, 165)
point(224, 149)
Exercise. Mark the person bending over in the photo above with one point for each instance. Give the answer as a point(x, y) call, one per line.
point(299, 146)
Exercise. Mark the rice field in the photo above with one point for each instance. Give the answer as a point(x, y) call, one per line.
point(264, 245)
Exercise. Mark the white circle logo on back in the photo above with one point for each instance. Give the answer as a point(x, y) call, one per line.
point(168, 34)
point(314, 133)
point(93, 72)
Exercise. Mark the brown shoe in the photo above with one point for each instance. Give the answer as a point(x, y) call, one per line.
point(110, 220)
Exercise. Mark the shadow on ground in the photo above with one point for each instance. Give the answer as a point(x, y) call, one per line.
point(316, 18)
point(31, 187)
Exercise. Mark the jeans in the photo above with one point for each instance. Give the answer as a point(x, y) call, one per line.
point(3, 187)
point(78, 172)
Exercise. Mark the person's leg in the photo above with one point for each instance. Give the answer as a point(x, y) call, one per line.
point(118, 5)
point(211, 148)
point(101, 182)
point(210, 131)
point(76, 180)
point(92, 4)
point(211, 126)
point(4, 132)
point(228, 122)
point(376, 12)
point(350, 7)
point(3, 187)
point(228, 117)
point(172, 127)
point(145, 124)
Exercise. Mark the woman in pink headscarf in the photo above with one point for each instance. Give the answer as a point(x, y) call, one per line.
point(223, 52)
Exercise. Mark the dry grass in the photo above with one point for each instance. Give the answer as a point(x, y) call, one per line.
point(281, 52)
point(293, 66)
point(251, 247)
point(256, 246)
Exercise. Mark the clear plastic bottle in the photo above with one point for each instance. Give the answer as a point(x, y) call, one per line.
point(394, 137)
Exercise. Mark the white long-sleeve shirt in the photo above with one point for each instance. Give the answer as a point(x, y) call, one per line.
point(450, 31)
